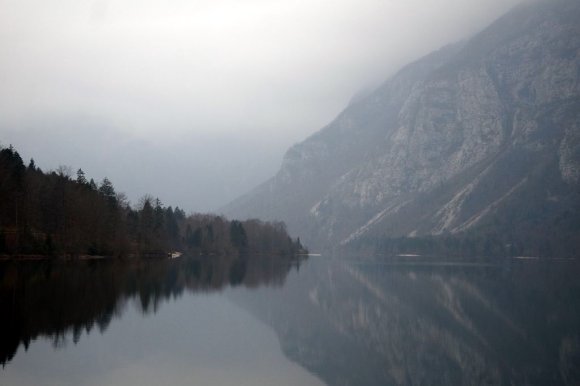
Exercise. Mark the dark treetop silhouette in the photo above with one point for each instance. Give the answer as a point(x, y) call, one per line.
point(53, 214)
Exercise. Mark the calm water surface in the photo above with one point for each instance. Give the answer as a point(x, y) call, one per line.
point(229, 321)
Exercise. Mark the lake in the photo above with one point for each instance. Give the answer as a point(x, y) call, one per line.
point(268, 321)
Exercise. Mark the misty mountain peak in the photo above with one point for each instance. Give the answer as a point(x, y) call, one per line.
point(450, 143)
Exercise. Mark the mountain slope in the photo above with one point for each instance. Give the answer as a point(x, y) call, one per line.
point(453, 142)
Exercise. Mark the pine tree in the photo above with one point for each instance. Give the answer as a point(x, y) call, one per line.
point(81, 179)
point(107, 190)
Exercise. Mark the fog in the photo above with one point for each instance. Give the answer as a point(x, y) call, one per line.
point(195, 102)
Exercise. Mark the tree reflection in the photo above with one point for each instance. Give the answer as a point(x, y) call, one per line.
point(61, 300)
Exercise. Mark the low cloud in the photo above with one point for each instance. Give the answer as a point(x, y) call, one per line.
point(267, 73)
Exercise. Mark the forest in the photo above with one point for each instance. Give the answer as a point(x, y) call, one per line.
point(60, 214)
point(483, 242)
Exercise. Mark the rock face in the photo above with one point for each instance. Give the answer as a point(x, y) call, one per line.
point(476, 132)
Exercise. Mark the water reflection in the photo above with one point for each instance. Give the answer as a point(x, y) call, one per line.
point(444, 324)
point(349, 323)
point(59, 300)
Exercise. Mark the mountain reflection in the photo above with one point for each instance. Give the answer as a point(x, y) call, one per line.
point(379, 324)
point(349, 323)
point(57, 299)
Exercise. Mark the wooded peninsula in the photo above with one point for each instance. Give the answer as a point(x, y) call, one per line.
point(56, 214)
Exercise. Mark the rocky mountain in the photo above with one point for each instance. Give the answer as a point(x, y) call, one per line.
point(484, 134)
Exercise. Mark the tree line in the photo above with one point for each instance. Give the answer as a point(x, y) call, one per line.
point(480, 242)
point(57, 213)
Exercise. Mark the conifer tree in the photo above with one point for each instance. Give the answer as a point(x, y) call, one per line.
point(81, 179)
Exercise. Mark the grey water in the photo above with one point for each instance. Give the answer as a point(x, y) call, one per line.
point(269, 321)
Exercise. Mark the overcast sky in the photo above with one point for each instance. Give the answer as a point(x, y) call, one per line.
point(195, 101)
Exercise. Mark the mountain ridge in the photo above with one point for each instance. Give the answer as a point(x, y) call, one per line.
point(445, 144)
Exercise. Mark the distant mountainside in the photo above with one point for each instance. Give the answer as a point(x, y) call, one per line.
point(478, 136)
